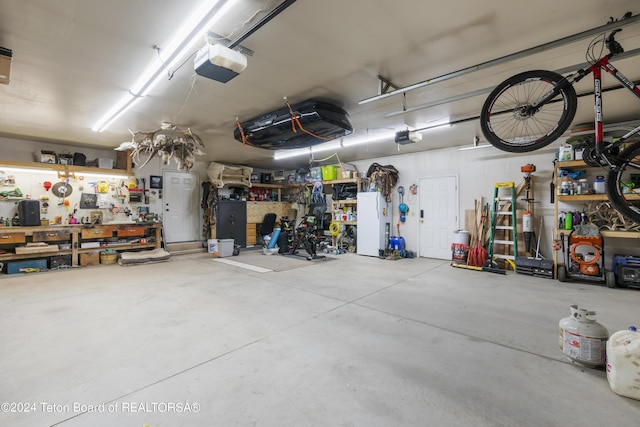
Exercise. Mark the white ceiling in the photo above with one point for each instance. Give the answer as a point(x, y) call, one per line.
point(73, 59)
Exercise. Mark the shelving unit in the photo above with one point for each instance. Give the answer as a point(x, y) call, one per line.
point(80, 238)
point(338, 211)
point(583, 198)
point(277, 187)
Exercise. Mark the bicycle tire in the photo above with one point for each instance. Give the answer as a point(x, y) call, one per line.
point(628, 163)
point(506, 124)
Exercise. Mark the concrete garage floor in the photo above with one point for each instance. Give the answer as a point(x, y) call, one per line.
point(353, 341)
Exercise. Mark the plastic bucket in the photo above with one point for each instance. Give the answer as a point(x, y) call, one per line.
point(461, 237)
point(623, 372)
point(329, 173)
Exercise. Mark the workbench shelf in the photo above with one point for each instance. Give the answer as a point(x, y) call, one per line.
point(58, 240)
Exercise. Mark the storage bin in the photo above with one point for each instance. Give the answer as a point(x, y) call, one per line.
point(103, 163)
point(316, 174)
point(14, 267)
point(225, 247)
point(329, 173)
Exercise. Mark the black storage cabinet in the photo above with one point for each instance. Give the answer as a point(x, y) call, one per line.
point(232, 221)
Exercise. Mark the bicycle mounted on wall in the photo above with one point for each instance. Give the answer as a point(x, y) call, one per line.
point(532, 109)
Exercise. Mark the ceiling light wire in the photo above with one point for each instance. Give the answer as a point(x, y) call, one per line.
point(193, 79)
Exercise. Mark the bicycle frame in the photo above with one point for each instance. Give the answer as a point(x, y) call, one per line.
point(604, 64)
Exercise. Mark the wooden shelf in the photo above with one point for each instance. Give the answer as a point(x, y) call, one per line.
point(612, 234)
point(620, 234)
point(61, 168)
point(120, 246)
point(346, 222)
point(582, 198)
point(13, 256)
point(571, 164)
point(259, 185)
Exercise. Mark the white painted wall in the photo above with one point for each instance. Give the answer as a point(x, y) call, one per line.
point(478, 170)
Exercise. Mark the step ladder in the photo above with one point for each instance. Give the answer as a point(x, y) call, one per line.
point(503, 225)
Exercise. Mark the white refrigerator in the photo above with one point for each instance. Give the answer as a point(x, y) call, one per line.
point(374, 223)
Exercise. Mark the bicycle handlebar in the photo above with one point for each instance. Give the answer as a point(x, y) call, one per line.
point(614, 47)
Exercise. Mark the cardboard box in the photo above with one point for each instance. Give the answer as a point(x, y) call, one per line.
point(47, 156)
point(6, 55)
point(90, 258)
point(122, 159)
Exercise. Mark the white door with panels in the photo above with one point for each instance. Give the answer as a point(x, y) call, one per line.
point(181, 207)
point(438, 210)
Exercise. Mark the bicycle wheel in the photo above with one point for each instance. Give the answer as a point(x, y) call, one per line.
point(626, 177)
point(511, 123)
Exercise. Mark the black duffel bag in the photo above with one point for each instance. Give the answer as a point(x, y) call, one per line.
point(344, 191)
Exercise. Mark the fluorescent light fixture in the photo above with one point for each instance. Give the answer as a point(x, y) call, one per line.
point(331, 145)
point(192, 30)
point(41, 170)
point(475, 147)
point(103, 175)
point(327, 146)
point(350, 142)
point(445, 125)
point(45, 171)
point(286, 154)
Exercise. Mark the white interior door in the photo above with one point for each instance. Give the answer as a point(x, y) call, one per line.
point(181, 207)
point(438, 209)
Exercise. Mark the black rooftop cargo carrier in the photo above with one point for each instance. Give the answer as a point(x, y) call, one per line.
point(316, 122)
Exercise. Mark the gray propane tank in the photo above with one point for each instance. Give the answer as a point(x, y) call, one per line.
point(582, 339)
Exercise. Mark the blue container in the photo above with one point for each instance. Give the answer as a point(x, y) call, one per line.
point(393, 243)
point(400, 241)
point(274, 239)
point(14, 267)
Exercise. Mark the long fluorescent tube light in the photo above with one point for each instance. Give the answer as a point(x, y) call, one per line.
point(366, 140)
point(286, 154)
point(331, 145)
point(192, 30)
point(475, 147)
point(434, 127)
point(28, 169)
